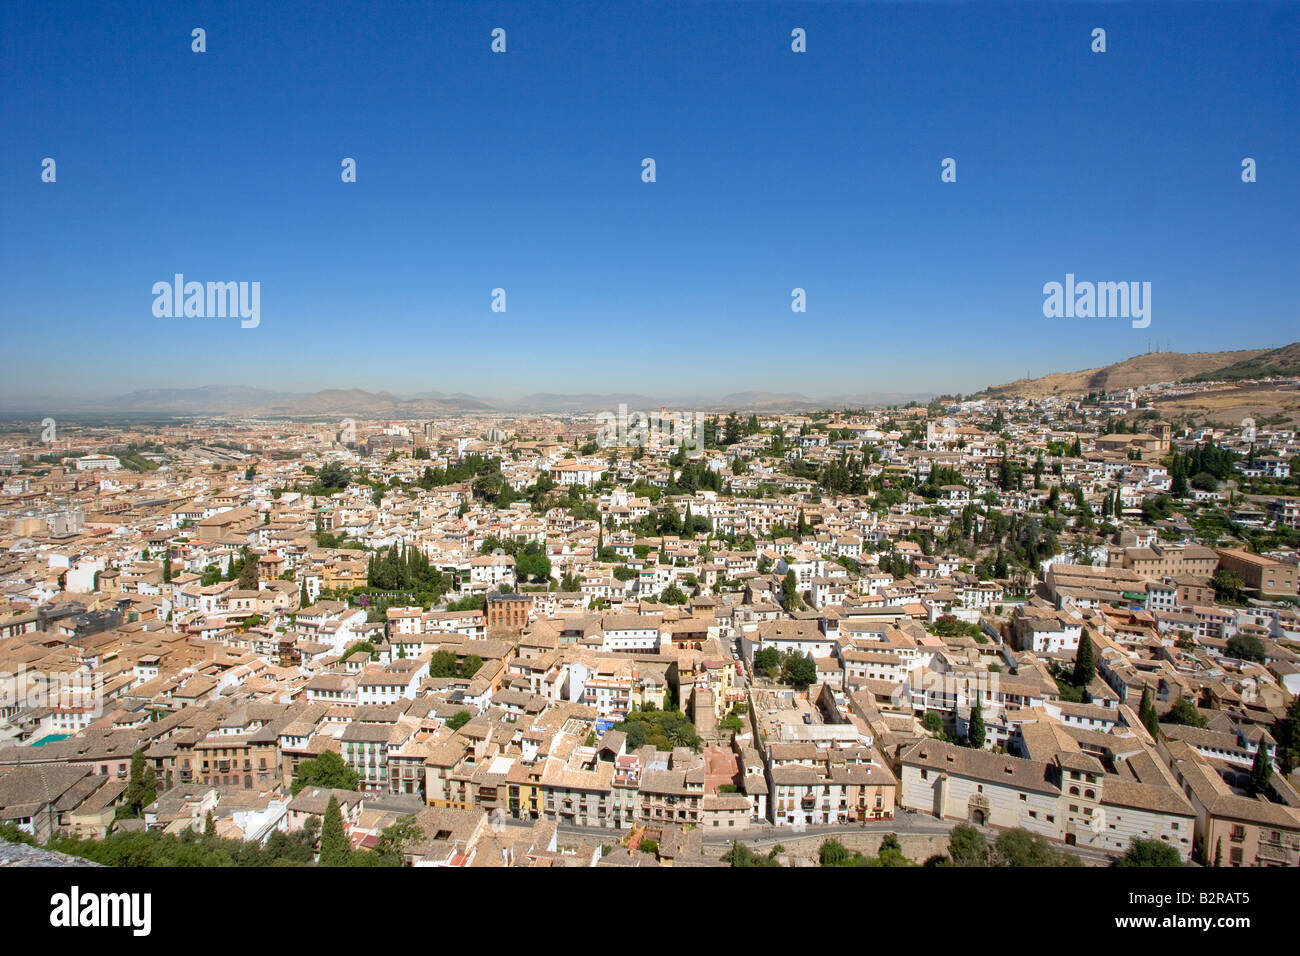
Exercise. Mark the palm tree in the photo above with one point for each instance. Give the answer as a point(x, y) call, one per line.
point(679, 734)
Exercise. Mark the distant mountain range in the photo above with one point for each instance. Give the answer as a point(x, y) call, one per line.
point(334, 403)
point(1155, 368)
point(358, 403)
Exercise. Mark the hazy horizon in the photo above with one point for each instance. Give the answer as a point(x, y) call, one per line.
point(29, 401)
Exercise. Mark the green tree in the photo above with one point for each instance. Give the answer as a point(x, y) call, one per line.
point(1184, 712)
point(458, 719)
point(394, 838)
point(799, 670)
point(327, 771)
point(975, 731)
point(790, 592)
point(1020, 848)
point(1228, 587)
point(891, 852)
point(967, 846)
point(365, 646)
point(768, 662)
point(673, 595)
point(334, 847)
point(833, 853)
point(531, 563)
point(142, 786)
point(331, 478)
point(637, 734)
point(1147, 713)
point(1246, 647)
point(248, 572)
point(1178, 486)
point(1287, 734)
point(443, 664)
point(1085, 665)
point(1261, 771)
point(1149, 853)
point(741, 855)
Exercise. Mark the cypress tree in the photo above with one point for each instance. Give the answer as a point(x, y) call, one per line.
point(1147, 713)
point(975, 732)
point(248, 572)
point(1085, 667)
point(1178, 487)
point(1261, 770)
point(142, 786)
point(334, 848)
point(1287, 734)
point(790, 592)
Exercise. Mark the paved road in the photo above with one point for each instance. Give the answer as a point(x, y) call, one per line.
point(767, 835)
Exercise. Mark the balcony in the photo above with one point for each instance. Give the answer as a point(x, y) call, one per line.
point(1276, 853)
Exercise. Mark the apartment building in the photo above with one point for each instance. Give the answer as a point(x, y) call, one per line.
point(1158, 561)
point(1265, 576)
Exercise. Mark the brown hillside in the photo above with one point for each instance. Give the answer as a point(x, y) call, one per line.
point(1149, 369)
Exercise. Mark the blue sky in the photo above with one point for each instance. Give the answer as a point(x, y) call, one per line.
point(522, 171)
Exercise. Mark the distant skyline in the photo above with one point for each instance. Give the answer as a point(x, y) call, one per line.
point(522, 171)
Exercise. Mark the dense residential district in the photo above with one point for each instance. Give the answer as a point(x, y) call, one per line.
point(1002, 631)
